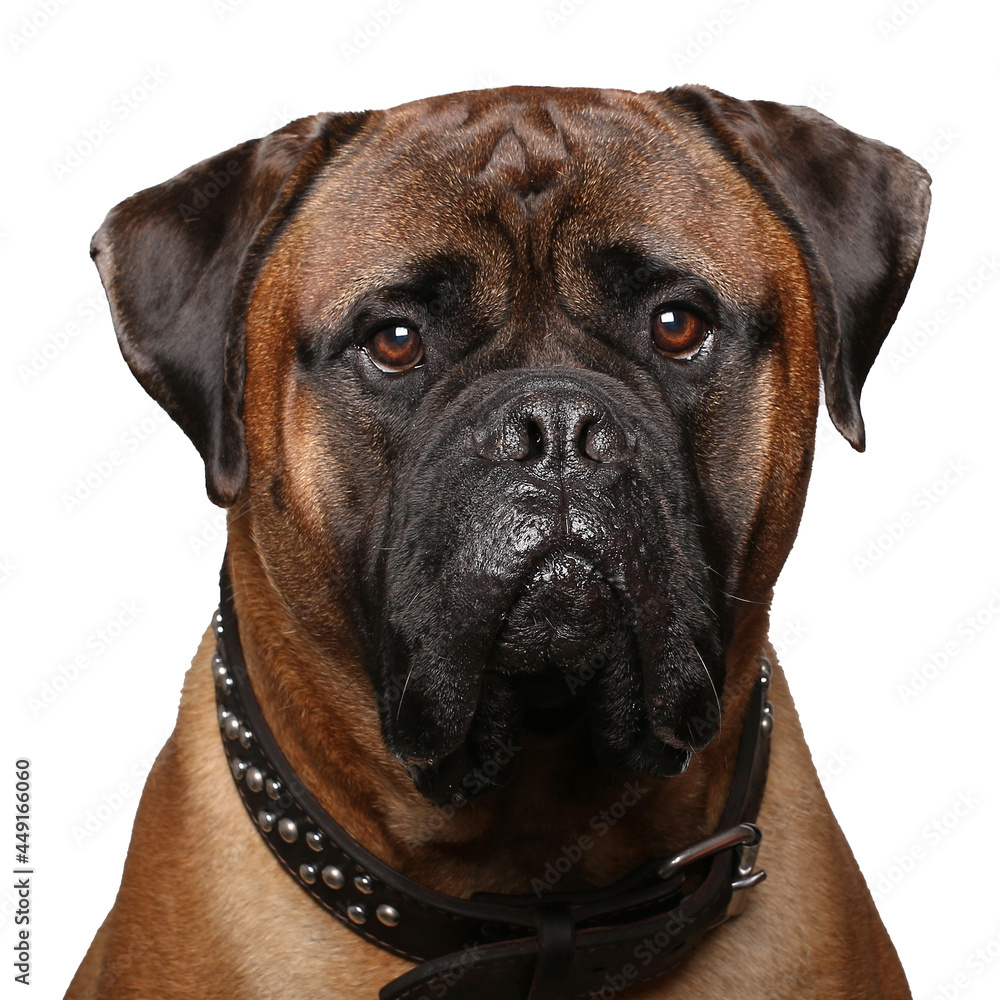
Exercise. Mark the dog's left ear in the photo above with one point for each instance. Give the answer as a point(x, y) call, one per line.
point(857, 210)
point(178, 263)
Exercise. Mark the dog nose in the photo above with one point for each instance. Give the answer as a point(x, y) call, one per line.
point(559, 426)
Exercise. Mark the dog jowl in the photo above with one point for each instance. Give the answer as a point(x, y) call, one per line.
point(571, 343)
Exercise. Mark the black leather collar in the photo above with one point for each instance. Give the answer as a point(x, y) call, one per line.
point(495, 947)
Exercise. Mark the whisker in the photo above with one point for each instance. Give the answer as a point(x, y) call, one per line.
point(718, 704)
point(406, 684)
point(745, 600)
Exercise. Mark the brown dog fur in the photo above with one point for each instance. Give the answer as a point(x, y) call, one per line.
point(205, 910)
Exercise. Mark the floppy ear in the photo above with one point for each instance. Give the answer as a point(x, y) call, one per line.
point(857, 210)
point(178, 263)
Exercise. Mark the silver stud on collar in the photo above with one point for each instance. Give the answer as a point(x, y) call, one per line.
point(224, 714)
point(238, 767)
point(767, 719)
point(387, 915)
point(333, 877)
point(266, 820)
point(356, 913)
point(273, 788)
point(288, 830)
point(766, 670)
point(365, 884)
point(315, 840)
point(232, 727)
point(308, 874)
point(219, 671)
point(255, 780)
point(246, 737)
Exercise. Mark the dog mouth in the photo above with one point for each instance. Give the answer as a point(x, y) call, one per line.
point(568, 662)
point(551, 704)
point(551, 640)
point(564, 609)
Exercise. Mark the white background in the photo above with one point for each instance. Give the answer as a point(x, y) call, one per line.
point(204, 76)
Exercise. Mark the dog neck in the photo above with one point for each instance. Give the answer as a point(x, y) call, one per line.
point(555, 826)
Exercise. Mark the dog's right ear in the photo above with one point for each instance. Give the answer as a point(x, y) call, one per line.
point(178, 262)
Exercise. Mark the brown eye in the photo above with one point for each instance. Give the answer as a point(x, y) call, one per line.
point(396, 348)
point(678, 333)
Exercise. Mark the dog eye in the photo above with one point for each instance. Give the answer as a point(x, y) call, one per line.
point(678, 333)
point(395, 348)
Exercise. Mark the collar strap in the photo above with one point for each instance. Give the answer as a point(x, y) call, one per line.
point(495, 947)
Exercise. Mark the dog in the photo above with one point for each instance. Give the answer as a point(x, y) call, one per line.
point(511, 397)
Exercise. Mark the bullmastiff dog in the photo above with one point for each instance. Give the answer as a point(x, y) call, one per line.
point(511, 397)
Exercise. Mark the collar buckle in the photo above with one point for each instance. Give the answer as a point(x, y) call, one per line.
point(746, 877)
point(746, 838)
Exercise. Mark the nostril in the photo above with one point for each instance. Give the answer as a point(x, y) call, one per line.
point(599, 441)
point(536, 439)
point(518, 439)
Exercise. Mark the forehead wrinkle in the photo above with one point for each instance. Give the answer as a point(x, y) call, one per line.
point(355, 234)
point(634, 173)
point(678, 202)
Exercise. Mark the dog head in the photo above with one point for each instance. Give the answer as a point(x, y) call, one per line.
point(522, 382)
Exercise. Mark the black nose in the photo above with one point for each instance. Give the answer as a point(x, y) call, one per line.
point(552, 424)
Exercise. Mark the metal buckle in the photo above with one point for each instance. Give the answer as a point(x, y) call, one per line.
point(747, 837)
point(746, 834)
point(746, 877)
